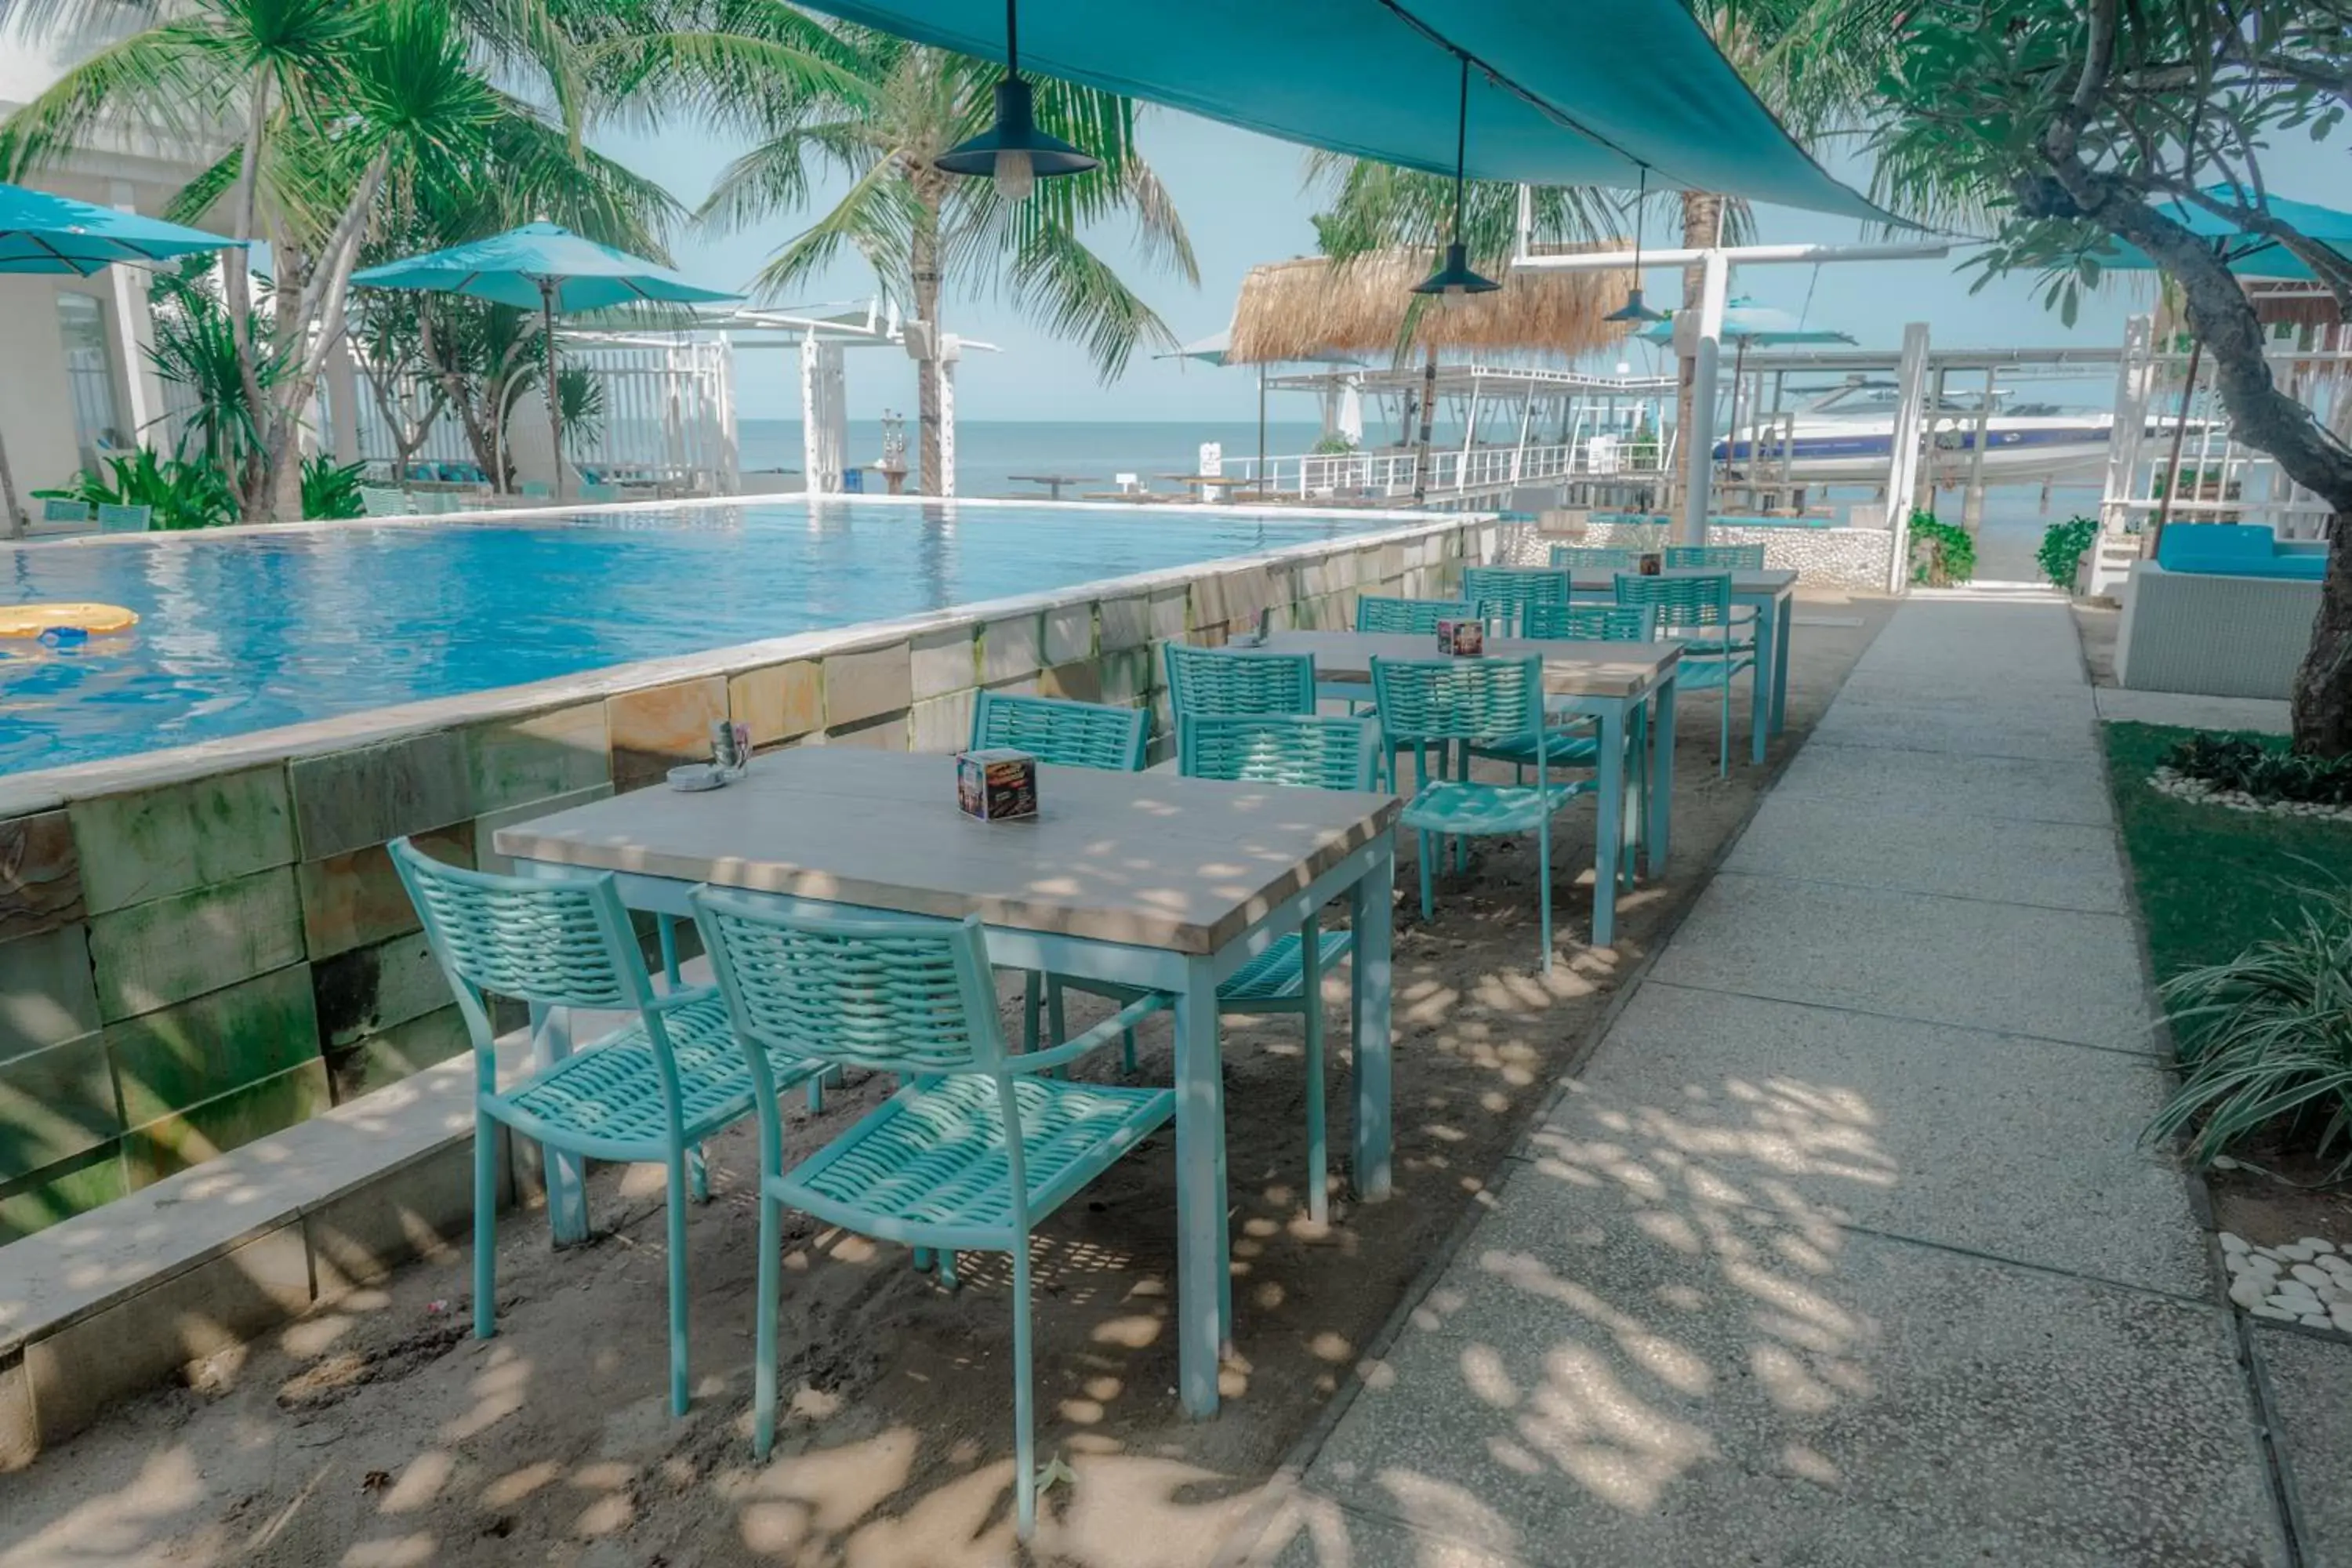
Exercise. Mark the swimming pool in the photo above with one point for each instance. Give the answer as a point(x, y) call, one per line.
point(252, 631)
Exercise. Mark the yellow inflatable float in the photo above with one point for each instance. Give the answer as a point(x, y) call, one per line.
point(32, 620)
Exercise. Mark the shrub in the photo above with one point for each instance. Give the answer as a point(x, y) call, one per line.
point(1940, 553)
point(2265, 1041)
point(328, 491)
point(2269, 772)
point(182, 494)
point(2062, 544)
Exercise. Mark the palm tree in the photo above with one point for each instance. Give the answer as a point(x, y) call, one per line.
point(344, 119)
point(814, 93)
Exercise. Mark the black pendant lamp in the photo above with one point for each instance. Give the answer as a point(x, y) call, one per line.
point(1013, 150)
point(1634, 309)
point(1454, 281)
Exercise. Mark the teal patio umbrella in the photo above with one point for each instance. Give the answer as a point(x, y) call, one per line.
point(44, 233)
point(545, 265)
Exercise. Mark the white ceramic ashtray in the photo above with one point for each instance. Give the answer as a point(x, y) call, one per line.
point(696, 776)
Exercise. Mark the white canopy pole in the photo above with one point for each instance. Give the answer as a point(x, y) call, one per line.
point(1707, 352)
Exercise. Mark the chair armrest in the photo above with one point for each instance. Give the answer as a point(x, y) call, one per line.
point(1101, 1035)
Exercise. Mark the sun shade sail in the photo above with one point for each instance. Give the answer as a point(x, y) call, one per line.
point(1562, 92)
point(44, 233)
point(509, 268)
point(2248, 255)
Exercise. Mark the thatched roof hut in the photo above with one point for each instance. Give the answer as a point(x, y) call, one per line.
point(1309, 307)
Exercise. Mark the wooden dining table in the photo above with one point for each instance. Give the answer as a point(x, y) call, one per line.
point(1143, 879)
point(1609, 680)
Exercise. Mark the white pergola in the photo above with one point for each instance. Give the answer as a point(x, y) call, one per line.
point(1702, 340)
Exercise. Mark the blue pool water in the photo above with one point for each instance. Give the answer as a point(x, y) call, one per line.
point(249, 633)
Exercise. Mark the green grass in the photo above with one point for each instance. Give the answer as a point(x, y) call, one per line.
point(2211, 881)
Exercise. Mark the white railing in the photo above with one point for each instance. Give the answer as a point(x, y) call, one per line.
point(1452, 472)
point(2219, 480)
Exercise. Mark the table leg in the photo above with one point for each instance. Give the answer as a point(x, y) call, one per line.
point(1370, 914)
point(1609, 831)
point(1784, 626)
point(1203, 1259)
point(1662, 773)
point(565, 1174)
point(1759, 683)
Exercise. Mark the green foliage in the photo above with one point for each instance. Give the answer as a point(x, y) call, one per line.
point(1941, 552)
point(2062, 544)
point(2264, 769)
point(2265, 1039)
point(1332, 446)
point(182, 493)
point(196, 349)
point(331, 492)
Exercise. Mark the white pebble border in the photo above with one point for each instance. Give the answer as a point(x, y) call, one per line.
point(2164, 781)
point(2307, 1281)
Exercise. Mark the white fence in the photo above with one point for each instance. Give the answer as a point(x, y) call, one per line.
point(668, 416)
point(2213, 478)
point(1454, 473)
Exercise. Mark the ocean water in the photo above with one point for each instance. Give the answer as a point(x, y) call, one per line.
point(988, 452)
point(248, 633)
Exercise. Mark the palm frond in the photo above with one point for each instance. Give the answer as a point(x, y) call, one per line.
point(1074, 293)
point(873, 215)
point(173, 80)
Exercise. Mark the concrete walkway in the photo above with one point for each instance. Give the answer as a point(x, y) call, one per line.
point(1844, 1250)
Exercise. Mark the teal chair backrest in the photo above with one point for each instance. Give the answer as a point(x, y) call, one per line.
point(1433, 699)
point(538, 490)
point(563, 944)
point(1377, 614)
point(1716, 557)
point(1698, 602)
point(113, 518)
point(600, 492)
point(1591, 623)
point(379, 500)
point(908, 996)
point(1066, 734)
point(65, 512)
point(1216, 681)
point(1300, 750)
point(1503, 593)
point(1594, 558)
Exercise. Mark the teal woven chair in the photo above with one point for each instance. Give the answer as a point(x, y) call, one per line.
point(1697, 612)
point(593, 492)
point(1716, 557)
point(1416, 616)
point(1069, 735)
point(1216, 681)
point(54, 510)
point(538, 490)
point(1470, 702)
point(1503, 594)
point(118, 519)
point(648, 1093)
point(1298, 751)
point(383, 500)
point(1595, 558)
point(1065, 734)
point(975, 1149)
point(1570, 739)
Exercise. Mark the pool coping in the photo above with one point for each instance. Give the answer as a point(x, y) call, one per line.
point(42, 789)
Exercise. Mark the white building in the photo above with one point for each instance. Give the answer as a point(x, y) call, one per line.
point(74, 372)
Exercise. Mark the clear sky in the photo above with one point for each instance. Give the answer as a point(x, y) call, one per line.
point(1243, 201)
point(1242, 198)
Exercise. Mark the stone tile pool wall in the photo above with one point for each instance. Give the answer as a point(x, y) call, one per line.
point(202, 947)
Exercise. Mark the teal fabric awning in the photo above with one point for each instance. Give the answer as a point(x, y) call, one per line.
point(1562, 92)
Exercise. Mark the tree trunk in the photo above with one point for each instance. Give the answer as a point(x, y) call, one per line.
point(2261, 416)
point(2323, 688)
point(923, 258)
point(1702, 230)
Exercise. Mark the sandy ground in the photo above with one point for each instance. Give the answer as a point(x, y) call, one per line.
point(376, 1434)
